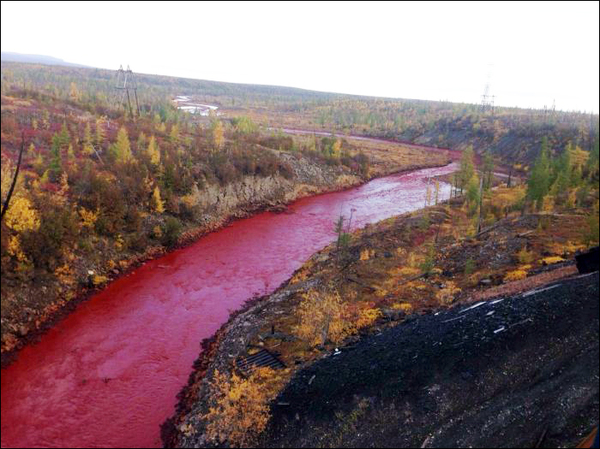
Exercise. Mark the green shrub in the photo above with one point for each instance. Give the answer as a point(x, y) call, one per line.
point(171, 231)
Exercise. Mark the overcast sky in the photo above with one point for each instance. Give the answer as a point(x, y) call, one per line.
point(533, 53)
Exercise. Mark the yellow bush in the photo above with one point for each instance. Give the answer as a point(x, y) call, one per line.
point(515, 275)
point(367, 317)
point(88, 217)
point(404, 272)
point(525, 256)
point(65, 275)
point(98, 279)
point(447, 294)
point(323, 316)
point(366, 254)
point(15, 250)
point(552, 260)
point(240, 410)
point(400, 251)
point(404, 306)
point(565, 248)
point(21, 216)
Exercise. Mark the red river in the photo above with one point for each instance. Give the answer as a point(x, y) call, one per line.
point(107, 375)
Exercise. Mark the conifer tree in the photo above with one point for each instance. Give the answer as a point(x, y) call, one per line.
point(538, 184)
point(122, 148)
point(157, 203)
point(153, 151)
point(466, 168)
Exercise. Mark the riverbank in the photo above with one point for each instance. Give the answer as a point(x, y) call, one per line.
point(391, 272)
point(38, 307)
point(108, 374)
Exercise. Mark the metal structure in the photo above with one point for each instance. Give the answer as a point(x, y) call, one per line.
point(262, 358)
point(487, 100)
point(125, 86)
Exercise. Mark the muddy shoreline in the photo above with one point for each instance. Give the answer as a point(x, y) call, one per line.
point(188, 238)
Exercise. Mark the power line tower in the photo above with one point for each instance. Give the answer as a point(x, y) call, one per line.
point(487, 100)
point(125, 85)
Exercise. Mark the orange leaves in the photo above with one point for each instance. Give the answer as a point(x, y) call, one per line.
point(88, 217)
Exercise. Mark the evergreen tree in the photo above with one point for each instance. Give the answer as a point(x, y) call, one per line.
point(55, 166)
point(538, 184)
point(157, 203)
point(153, 151)
point(88, 148)
point(467, 168)
point(121, 150)
point(562, 175)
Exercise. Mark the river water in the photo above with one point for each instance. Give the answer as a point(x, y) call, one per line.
point(108, 374)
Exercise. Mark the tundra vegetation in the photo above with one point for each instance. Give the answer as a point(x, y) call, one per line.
point(100, 190)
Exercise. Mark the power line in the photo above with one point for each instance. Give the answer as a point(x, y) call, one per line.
point(125, 84)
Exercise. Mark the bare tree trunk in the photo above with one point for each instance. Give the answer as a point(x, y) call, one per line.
point(14, 181)
point(480, 204)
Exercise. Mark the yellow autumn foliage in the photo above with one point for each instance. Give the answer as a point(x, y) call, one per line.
point(15, 250)
point(552, 260)
point(88, 217)
point(323, 316)
point(404, 306)
point(240, 411)
point(515, 275)
point(157, 203)
point(65, 275)
point(368, 317)
point(153, 151)
point(404, 272)
point(21, 216)
point(366, 254)
point(98, 279)
point(447, 294)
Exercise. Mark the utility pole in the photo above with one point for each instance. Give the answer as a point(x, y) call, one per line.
point(487, 100)
point(125, 84)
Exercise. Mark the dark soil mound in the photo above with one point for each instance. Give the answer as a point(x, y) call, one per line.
point(505, 373)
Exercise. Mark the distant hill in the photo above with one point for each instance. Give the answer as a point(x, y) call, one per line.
point(36, 59)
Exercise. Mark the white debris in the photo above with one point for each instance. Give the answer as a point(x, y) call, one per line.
point(473, 306)
point(499, 330)
point(533, 292)
point(490, 313)
point(496, 301)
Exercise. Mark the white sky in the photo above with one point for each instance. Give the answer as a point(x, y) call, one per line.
point(535, 52)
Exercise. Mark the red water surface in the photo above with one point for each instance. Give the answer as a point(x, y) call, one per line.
point(108, 374)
